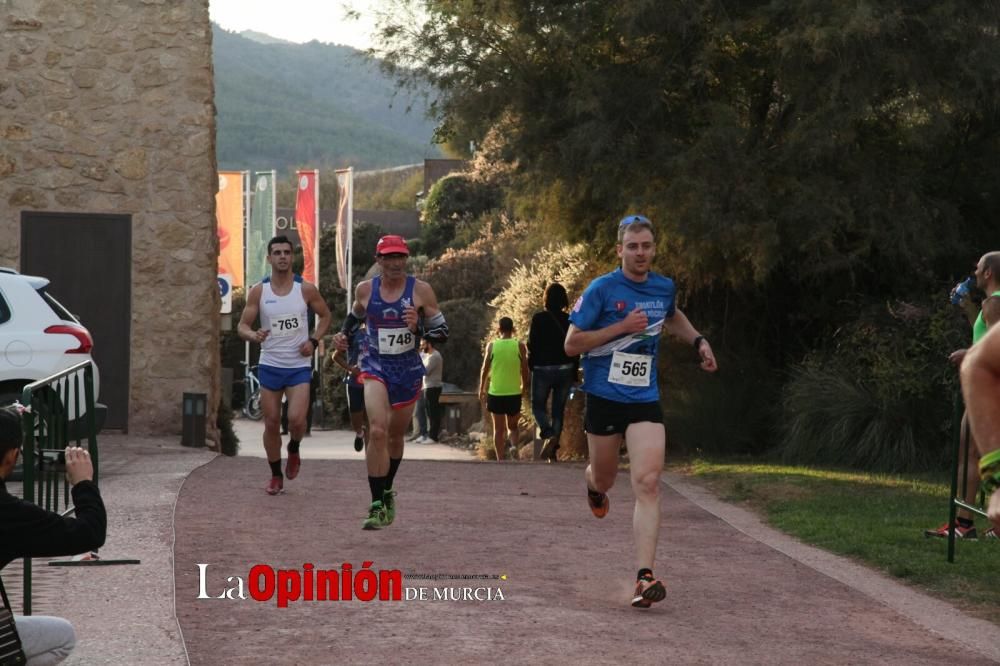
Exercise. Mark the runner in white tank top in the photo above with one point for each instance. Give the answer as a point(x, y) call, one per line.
point(282, 302)
point(286, 319)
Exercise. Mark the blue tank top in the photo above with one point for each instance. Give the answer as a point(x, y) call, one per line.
point(389, 349)
point(624, 369)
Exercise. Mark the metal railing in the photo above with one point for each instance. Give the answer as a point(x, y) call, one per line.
point(58, 410)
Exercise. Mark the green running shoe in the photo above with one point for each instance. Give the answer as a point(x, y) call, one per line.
point(377, 518)
point(389, 501)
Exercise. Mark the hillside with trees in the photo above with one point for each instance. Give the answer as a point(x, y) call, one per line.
point(284, 105)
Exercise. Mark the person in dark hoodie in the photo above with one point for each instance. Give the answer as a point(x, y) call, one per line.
point(27, 530)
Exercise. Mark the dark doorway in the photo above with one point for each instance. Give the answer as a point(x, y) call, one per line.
point(88, 261)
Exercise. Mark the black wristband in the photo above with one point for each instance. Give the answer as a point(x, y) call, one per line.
point(315, 343)
point(697, 342)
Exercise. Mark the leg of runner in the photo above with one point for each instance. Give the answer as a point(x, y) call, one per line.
point(499, 445)
point(377, 453)
point(270, 404)
point(358, 425)
point(398, 422)
point(602, 470)
point(965, 526)
point(646, 444)
point(512, 434)
point(297, 398)
point(379, 411)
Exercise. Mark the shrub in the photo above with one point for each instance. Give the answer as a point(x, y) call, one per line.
point(478, 270)
point(833, 419)
point(229, 443)
point(572, 266)
point(880, 396)
point(454, 199)
point(461, 274)
point(467, 323)
point(724, 413)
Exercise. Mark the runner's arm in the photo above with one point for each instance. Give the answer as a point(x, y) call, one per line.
point(484, 373)
point(579, 341)
point(245, 328)
point(340, 358)
point(431, 324)
point(354, 318)
point(680, 327)
point(525, 372)
point(981, 388)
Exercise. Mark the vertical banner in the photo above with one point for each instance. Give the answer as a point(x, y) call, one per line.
point(307, 223)
point(229, 221)
point(260, 228)
point(345, 215)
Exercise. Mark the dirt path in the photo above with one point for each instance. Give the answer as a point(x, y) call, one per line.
point(731, 598)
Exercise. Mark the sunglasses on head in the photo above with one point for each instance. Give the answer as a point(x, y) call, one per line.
point(632, 219)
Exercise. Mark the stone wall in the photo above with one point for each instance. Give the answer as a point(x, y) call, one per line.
point(106, 106)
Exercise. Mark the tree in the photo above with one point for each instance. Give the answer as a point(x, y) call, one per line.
point(793, 153)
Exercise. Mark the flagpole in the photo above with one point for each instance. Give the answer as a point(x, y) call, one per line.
point(248, 177)
point(350, 236)
point(274, 200)
point(317, 231)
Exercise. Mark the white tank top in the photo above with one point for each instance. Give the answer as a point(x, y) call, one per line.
point(286, 317)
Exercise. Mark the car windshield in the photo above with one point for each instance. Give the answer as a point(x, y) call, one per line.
point(57, 307)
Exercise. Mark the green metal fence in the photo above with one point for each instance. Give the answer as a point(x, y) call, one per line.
point(58, 411)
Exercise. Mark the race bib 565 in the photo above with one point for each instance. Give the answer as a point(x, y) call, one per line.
point(630, 369)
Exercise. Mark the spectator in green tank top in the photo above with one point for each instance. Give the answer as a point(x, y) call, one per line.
point(988, 280)
point(502, 383)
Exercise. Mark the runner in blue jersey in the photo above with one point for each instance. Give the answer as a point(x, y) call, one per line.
point(616, 325)
point(282, 302)
point(397, 310)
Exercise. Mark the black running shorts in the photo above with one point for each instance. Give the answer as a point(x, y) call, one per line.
point(356, 398)
point(609, 417)
point(503, 404)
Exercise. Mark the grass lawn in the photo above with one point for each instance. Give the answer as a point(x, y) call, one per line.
point(873, 518)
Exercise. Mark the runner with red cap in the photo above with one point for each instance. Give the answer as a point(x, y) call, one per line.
point(397, 310)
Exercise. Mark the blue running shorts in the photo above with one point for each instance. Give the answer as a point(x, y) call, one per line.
point(276, 379)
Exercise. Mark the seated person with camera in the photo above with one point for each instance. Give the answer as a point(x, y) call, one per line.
point(27, 530)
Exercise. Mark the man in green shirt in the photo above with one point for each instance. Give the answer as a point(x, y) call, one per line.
point(988, 279)
point(503, 381)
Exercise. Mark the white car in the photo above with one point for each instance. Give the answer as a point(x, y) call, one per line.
point(38, 337)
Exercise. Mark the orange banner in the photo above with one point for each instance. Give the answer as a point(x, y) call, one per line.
point(306, 223)
point(229, 219)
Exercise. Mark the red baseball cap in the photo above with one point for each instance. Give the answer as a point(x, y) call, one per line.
point(391, 245)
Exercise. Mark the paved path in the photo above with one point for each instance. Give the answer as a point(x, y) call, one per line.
point(732, 597)
point(738, 591)
point(335, 445)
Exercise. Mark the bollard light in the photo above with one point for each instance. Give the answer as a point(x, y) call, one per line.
point(193, 410)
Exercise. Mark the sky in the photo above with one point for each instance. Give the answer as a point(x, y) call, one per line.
point(299, 21)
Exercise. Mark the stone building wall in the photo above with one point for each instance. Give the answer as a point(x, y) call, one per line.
point(106, 106)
